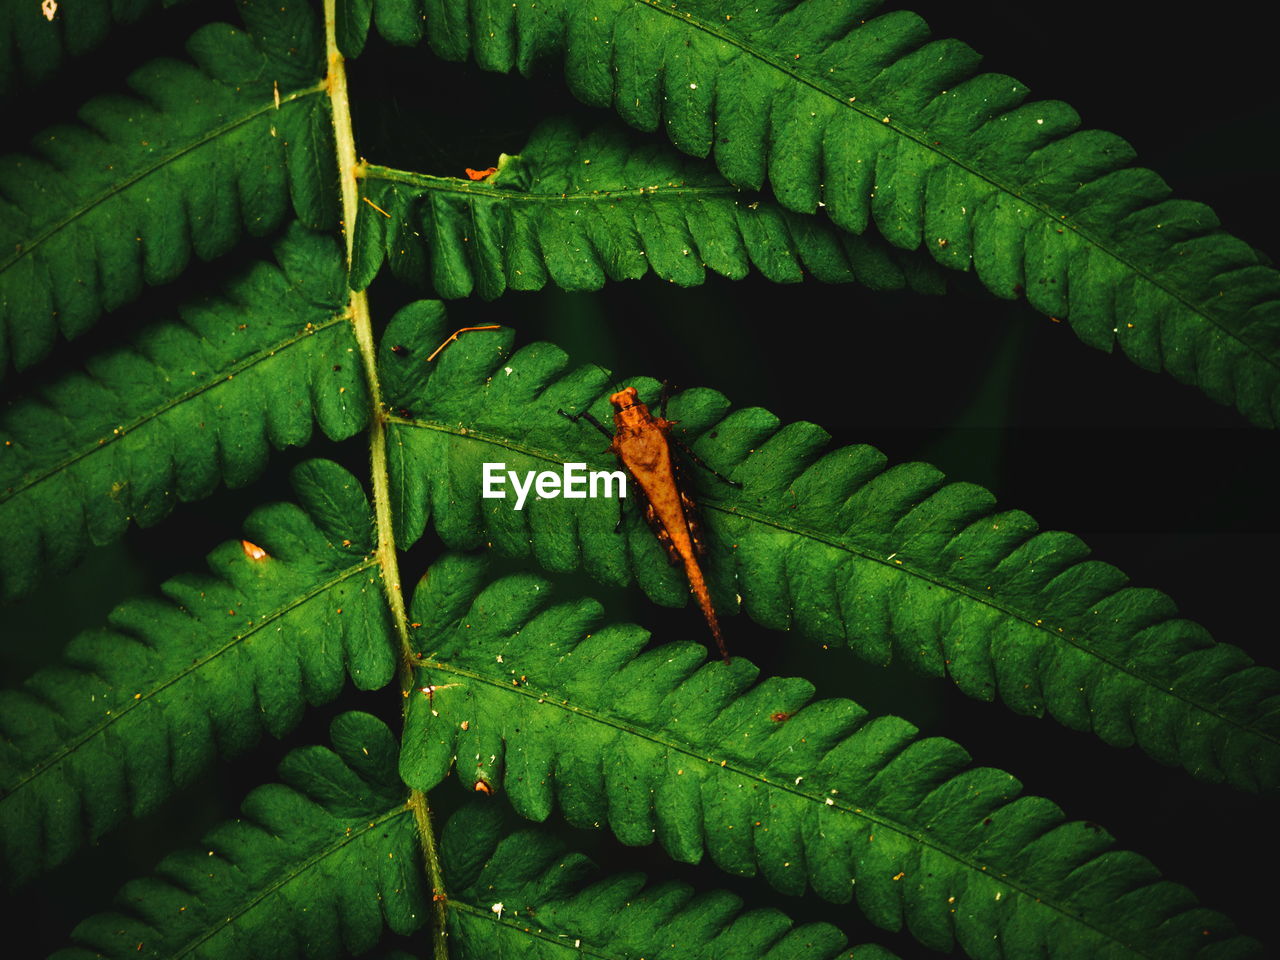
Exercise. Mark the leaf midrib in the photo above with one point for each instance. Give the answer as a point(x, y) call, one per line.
point(290, 875)
point(217, 378)
point(128, 706)
point(559, 941)
point(886, 120)
point(119, 187)
point(498, 192)
point(911, 570)
point(976, 869)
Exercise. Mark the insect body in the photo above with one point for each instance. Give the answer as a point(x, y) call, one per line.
point(642, 443)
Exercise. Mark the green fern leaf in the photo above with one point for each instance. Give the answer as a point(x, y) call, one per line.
point(199, 156)
point(541, 699)
point(352, 25)
point(893, 563)
point(399, 21)
point(31, 51)
point(579, 208)
point(869, 117)
point(188, 403)
point(317, 867)
point(548, 913)
point(141, 708)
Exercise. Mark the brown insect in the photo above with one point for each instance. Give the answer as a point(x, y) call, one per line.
point(642, 443)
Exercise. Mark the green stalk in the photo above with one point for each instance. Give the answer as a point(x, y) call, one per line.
point(386, 555)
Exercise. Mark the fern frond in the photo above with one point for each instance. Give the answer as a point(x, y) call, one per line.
point(544, 701)
point(189, 403)
point(549, 913)
point(891, 562)
point(141, 708)
point(31, 50)
point(399, 21)
point(870, 118)
point(196, 157)
point(316, 867)
point(578, 208)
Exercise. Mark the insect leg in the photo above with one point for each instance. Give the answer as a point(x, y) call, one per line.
point(688, 452)
point(622, 516)
point(663, 397)
point(586, 415)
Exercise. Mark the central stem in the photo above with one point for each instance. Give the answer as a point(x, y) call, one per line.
point(386, 555)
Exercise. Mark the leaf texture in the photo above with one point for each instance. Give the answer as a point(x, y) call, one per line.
point(197, 157)
point(401, 22)
point(317, 867)
point(578, 208)
point(190, 402)
point(884, 126)
point(142, 707)
point(550, 913)
point(541, 700)
point(893, 562)
point(31, 50)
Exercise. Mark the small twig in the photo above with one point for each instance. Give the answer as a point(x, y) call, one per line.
point(454, 336)
point(376, 207)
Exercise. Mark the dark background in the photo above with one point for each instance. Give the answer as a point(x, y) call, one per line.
point(1168, 486)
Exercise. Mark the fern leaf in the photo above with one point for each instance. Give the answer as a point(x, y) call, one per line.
point(141, 708)
point(317, 867)
point(884, 127)
point(548, 912)
point(399, 21)
point(197, 157)
point(31, 51)
point(190, 402)
point(579, 208)
point(891, 562)
point(541, 699)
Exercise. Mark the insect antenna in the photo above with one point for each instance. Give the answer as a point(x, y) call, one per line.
point(616, 387)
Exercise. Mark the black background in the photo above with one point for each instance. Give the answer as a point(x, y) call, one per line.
point(1168, 486)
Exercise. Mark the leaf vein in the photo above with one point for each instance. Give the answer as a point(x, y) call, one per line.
point(910, 570)
point(142, 697)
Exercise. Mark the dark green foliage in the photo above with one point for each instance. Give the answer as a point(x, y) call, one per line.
point(579, 209)
point(187, 404)
point(805, 139)
point(197, 157)
point(663, 745)
point(549, 912)
point(32, 51)
point(316, 868)
point(891, 562)
point(141, 708)
point(868, 118)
